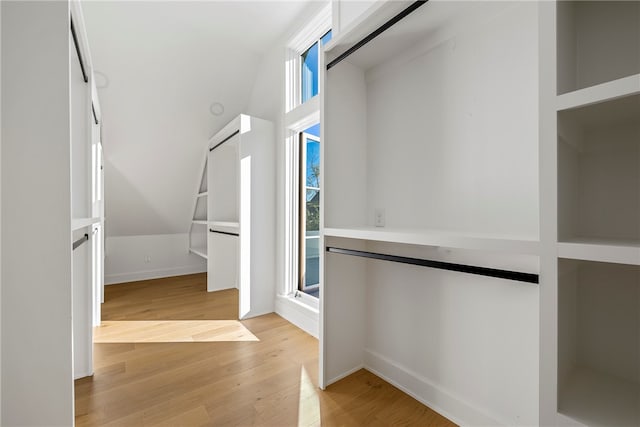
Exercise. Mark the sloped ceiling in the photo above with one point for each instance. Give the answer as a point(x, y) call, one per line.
point(161, 66)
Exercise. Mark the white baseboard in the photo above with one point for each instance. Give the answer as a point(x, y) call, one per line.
point(343, 375)
point(112, 279)
point(420, 388)
point(301, 315)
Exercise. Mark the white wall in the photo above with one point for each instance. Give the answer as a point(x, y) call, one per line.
point(131, 258)
point(165, 66)
point(267, 101)
point(37, 383)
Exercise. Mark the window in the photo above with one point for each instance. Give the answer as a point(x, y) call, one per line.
point(309, 69)
point(309, 254)
point(302, 154)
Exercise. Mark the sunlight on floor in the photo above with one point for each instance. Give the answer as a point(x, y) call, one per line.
point(163, 331)
point(309, 405)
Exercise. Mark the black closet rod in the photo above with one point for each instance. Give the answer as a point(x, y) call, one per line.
point(462, 268)
point(377, 32)
point(75, 42)
point(224, 140)
point(93, 110)
point(228, 233)
point(80, 241)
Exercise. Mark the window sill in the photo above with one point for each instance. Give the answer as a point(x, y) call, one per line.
point(299, 312)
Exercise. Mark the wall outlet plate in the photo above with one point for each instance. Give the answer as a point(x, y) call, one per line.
point(379, 217)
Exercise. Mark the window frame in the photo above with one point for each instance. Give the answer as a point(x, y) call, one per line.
point(298, 117)
point(312, 33)
point(302, 212)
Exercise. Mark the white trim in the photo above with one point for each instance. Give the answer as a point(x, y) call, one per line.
point(112, 279)
point(346, 374)
point(301, 315)
point(432, 395)
point(310, 33)
point(304, 115)
point(291, 213)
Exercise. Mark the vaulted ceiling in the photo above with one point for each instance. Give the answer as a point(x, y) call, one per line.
point(165, 72)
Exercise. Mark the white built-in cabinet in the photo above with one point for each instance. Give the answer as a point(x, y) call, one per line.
point(590, 136)
point(233, 225)
point(488, 134)
point(430, 152)
point(87, 195)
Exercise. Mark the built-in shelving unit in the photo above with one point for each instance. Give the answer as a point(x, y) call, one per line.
point(240, 213)
point(430, 158)
point(590, 356)
point(198, 239)
point(87, 195)
point(599, 342)
point(198, 227)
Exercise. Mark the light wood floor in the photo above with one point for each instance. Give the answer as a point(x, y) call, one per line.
point(270, 382)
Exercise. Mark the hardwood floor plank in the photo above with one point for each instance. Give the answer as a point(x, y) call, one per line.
point(268, 382)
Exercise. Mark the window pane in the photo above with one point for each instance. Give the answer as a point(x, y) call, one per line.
point(313, 163)
point(312, 207)
point(312, 262)
point(309, 73)
point(325, 39)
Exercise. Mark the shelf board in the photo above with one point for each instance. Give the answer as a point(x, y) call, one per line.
point(203, 194)
point(200, 221)
point(78, 223)
point(229, 226)
point(603, 250)
point(450, 239)
point(596, 399)
point(600, 93)
point(199, 251)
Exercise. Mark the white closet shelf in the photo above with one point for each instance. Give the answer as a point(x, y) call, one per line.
point(200, 221)
point(600, 93)
point(450, 239)
point(596, 399)
point(78, 223)
point(225, 224)
point(199, 251)
point(602, 250)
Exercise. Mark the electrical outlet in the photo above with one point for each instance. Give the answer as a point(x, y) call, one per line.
point(147, 259)
point(378, 219)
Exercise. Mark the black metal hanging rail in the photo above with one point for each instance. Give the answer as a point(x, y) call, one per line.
point(228, 233)
point(77, 45)
point(93, 110)
point(224, 140)
point(377, 32)
point(462, 268)
point(80, 241)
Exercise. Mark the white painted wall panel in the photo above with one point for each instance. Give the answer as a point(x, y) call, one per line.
point(37, 369)
point(452, 134)
point(167, 254)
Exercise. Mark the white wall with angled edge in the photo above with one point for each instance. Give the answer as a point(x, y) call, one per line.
point(158, 78)
point(132, 258)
